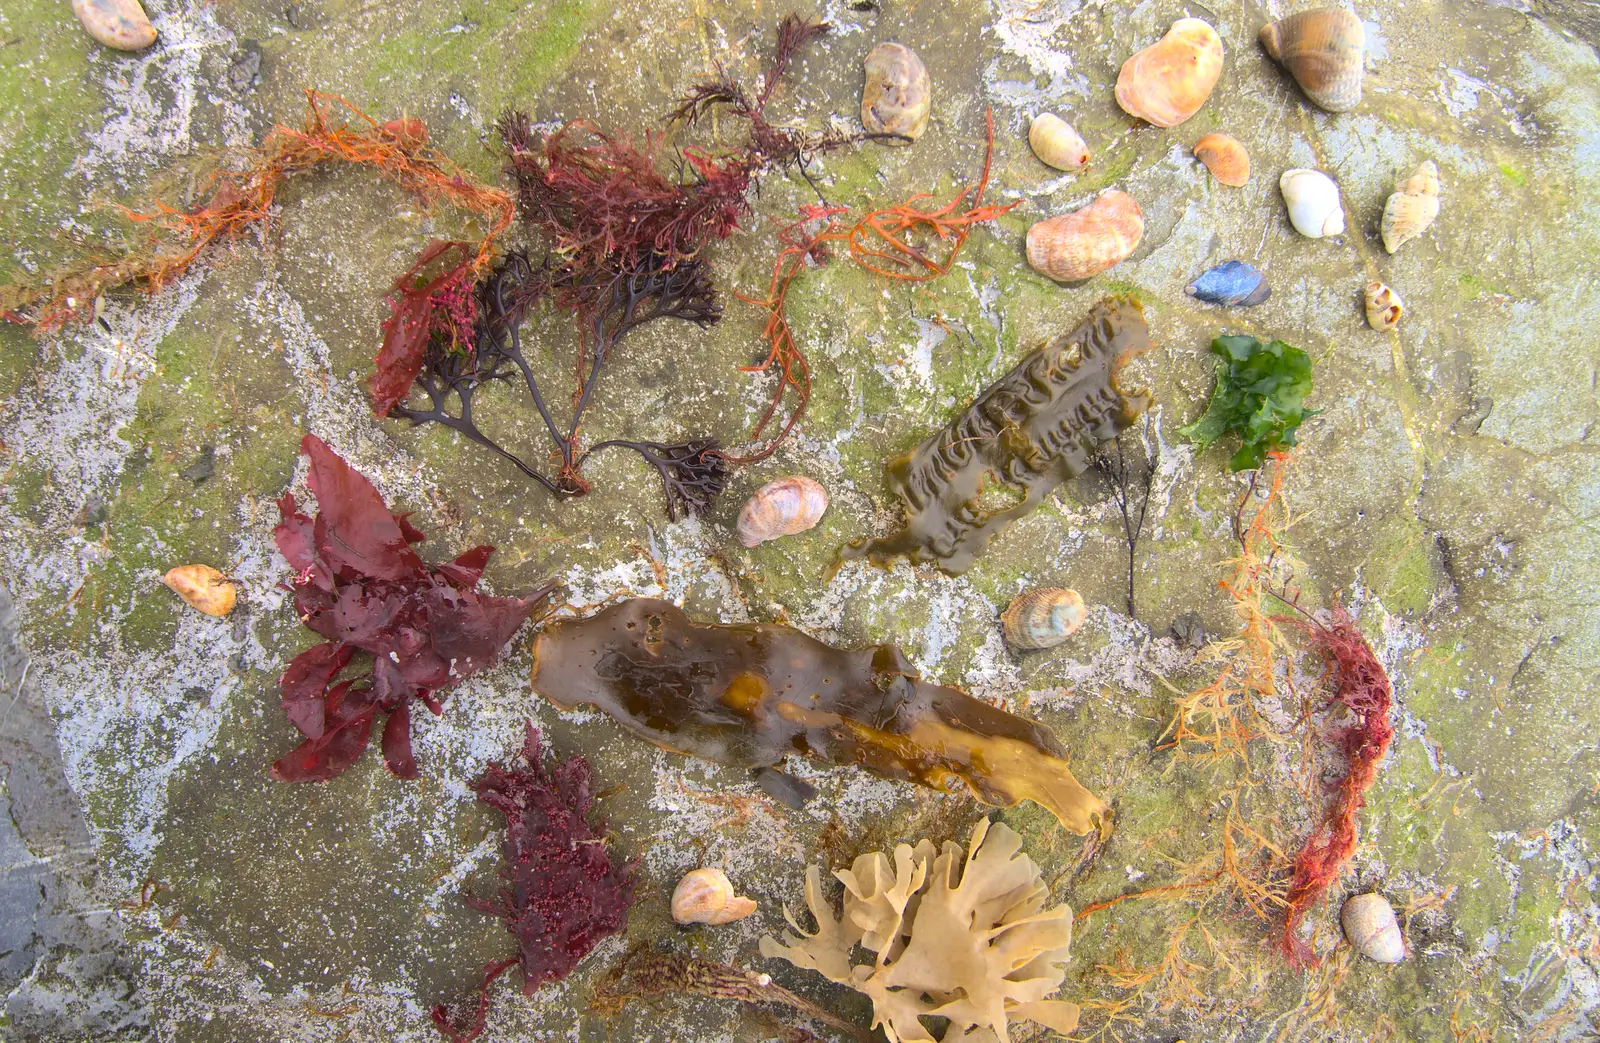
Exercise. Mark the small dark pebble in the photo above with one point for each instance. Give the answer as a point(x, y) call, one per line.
point(1188, 630)
point(245, 72)
point(202, 468)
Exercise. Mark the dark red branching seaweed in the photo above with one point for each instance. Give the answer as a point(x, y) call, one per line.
point(610, 308)
point(564, 893)
point(1363, 688)
point(443, 308)
point(359, 584)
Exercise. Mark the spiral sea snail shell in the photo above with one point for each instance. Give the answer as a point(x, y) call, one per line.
point(1412, 208)
point(1168, 81)
point(1042, 618)
point(1324, 50)
point(1056, 143)
point(781, 508)
point(898, 94)
point(706, 896)
point(1086, 242)
point(1313, 201)
point(1371, 928)
point(1384, 307)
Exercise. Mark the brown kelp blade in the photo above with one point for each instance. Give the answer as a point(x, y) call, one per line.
point(752, 694)
point(1029, 431)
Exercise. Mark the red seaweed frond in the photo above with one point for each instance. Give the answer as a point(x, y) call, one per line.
point(1362, 687)
point(879, 241)
point(397, 150)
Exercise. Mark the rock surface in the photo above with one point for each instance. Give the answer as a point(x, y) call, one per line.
point(1450, 492)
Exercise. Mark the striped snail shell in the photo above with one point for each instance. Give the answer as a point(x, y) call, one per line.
point(1324, 50)
point(1086, 242)
point(1042, 618)
point(781, 508)
point(706, 896)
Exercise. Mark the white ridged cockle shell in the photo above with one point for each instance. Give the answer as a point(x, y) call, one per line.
point(706, 896)
point(781, 508)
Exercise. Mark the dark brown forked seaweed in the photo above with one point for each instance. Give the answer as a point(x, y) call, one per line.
point(753, 694)
point(1031, 430)
point(649, 972)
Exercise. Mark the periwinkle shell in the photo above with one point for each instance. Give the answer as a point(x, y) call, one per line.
point(1313, 201)
point(898, 94)
point(1384, 307)
point(706, 896)
point(1043, 618)
point(1232, 283)
point(1324, 50)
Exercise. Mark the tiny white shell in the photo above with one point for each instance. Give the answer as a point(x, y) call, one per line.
point(781, 508)
point(1313, 201)
point(706, 896)
point(1056, 143)
point(1384, 307)
point(1370, 925)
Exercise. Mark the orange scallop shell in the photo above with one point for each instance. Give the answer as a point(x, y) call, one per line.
point(1086, 242)
point(1168, 81)
point(1227, 160)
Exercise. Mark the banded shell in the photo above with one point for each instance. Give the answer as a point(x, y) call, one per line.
point(1231, 283)
point(1371, 928)
point(1042, 618)
point(898, 94)
point(1056, 143)
point(781, 508)
point(203, 587)
point(1075, 246)
point(1168, 81)
point(1412, 208)
point(1384, 307)
point(1313, 201)
point(706, 896)
point(1227, 160)
point(1324, 50)
point(121, 24)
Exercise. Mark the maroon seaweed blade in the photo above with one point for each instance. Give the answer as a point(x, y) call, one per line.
point(359, 584)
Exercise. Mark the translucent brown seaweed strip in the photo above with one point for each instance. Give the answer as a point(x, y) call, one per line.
point(397, 150)
point(752, 695)
point(879, 241)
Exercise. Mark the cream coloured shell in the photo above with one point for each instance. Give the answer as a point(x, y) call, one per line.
point(781, 508)
point(706, 896)
point(1412, 208)
point(898, 94)
point(121, 24)
point(1086, 242)
point(1056, 143)
point(1227, 160)
point(1042, 618)
point(1384, 307)
point(1324, 50)
point(1371, 928)
point(1168, 81)
point(203, 587)
point(1313, 201)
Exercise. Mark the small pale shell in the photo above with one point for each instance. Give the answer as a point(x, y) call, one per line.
point(1324, 50)
point(1168, 81)
point(1231, 283)
point(1412, 208)
point(203, 587)
point(1372, 929)
point(1056, 143)
point(121, 24)
point(1384, 307)
point(1227, 160)
point(1313, 201)
point(781, 508)
point(898, 94)
point(1042, 618)
point(706, 896)
point(1086, 242)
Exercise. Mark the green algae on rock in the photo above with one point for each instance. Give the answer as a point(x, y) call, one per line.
point(1031, 430)
point(1260, 396)
point(753, 694)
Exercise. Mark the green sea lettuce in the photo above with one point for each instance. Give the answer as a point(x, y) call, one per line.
point(1260, 396)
